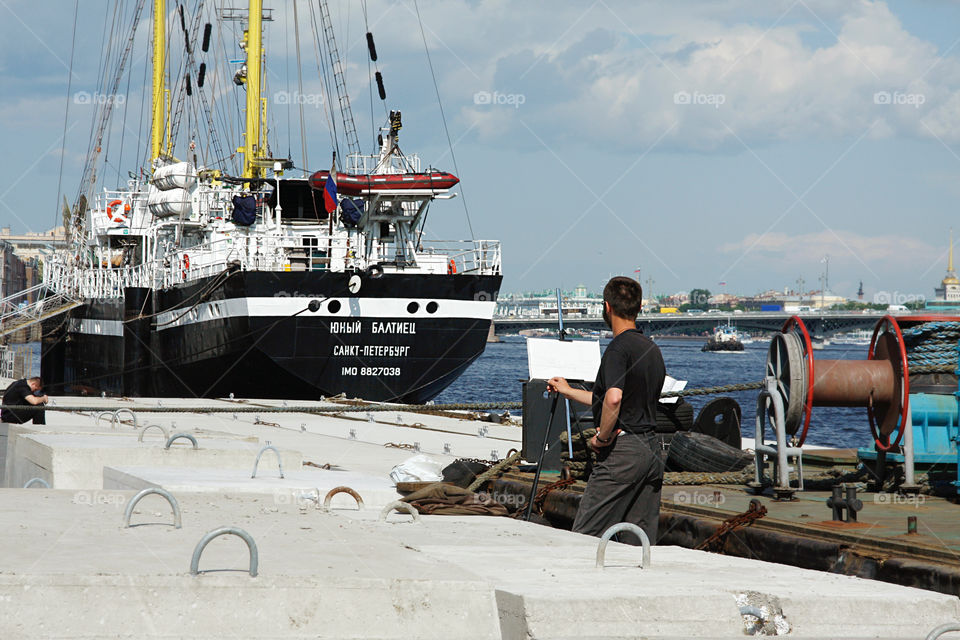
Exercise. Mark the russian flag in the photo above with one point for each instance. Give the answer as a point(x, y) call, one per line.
point(330, 190)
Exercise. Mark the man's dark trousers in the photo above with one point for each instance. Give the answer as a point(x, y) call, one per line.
point(624, 487)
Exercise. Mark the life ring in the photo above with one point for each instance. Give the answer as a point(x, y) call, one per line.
point(186, 266)
point(118, 217)
point(451, 267)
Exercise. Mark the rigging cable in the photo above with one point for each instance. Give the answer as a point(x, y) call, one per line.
point(303, 128)
point(66, 113)
point(331, 121)
point(444, 119)
point(286, 69)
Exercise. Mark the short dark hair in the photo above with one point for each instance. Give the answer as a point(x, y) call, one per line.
point(36, 379)
point(625, 296)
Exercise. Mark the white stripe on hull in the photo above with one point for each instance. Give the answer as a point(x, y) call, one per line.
point(350, 308)
point(287, 306)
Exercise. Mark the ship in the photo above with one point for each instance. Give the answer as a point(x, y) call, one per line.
point(724, 338)
point(192, 280)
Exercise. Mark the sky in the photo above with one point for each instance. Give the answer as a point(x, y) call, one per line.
point(690, 143)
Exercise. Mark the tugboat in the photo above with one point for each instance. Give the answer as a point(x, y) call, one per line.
point(724, 338)
point(213, 274)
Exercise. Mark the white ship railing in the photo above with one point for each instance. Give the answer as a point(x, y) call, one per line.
point(63, 276)
point(475, 257)
point(366, 164)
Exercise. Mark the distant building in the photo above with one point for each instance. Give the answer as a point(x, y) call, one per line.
point(21, 258)
point(947, 295)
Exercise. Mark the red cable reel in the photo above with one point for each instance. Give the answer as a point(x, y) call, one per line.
point(880, 383)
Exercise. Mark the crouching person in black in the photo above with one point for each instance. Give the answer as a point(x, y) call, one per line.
point(23, 392)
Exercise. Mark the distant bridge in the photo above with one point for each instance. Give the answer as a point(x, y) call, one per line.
point(825, 324)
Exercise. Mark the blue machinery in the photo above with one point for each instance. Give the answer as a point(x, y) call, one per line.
point(908, 385)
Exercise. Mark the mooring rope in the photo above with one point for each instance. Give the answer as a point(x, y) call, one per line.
point(932, 347)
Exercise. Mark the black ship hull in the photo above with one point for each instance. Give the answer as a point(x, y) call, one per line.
point(289, 335)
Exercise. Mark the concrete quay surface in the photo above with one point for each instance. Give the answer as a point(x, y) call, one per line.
point(71, 569)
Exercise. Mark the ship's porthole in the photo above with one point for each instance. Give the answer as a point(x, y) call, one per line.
point(413, 307)
point(432, 307)
point(334, 306)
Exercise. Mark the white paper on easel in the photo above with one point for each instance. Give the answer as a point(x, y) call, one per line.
point(571, 359)
point(672, 384)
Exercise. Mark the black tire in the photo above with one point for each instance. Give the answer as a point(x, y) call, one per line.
point(699, 452)
point(674, 416)
point(720, 418)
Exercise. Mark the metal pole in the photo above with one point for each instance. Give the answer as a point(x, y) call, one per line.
point(566, 401)
point(543, 450)
point(908, 467)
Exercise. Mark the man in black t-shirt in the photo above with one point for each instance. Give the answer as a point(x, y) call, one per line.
point(626, 481)
point(21, 393)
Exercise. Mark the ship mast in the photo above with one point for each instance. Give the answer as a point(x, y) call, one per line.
point(159, 69)
point(254, 48)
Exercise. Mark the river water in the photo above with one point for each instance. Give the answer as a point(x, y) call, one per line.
point(497, 376)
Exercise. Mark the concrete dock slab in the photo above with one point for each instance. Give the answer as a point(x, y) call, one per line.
point(343, 574)
point(76, 461)
point(75, 571)
point(305, 484)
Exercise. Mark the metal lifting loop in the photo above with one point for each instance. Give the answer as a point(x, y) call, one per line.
point(336, 490)
point(166, 434)
point(398, 505)
point(177, 436)
point(102, 414)
point(222, 531)
point(177, 521)
point(115, 420)
point(942, 629)
point(256, 463)
point(617, 528)
point(33, 481)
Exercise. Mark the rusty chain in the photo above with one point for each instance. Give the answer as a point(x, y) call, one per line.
point(753, 513)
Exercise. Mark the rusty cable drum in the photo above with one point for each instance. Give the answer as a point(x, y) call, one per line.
point(880, 384)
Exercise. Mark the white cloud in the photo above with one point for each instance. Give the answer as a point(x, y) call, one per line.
point(718, 83)
point(843, 247)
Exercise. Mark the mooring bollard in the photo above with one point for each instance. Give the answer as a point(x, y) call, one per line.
point(177, 436)
point(256, 462)
point(617, 528)
point(33, 481)
point(348, 490)
point(223, 531)
point(177, 521)
point(398, 505)
point(166, 434)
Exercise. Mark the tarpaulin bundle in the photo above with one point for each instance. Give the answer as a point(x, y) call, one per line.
point(450, 500)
